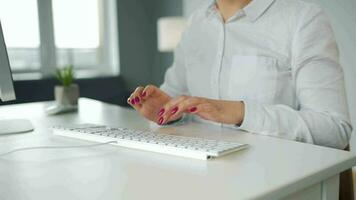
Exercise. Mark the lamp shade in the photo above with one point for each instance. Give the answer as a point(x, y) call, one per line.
point(169, 30)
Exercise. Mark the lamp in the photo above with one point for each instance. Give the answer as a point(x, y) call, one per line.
point(169, 31)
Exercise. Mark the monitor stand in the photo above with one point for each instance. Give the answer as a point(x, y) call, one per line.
point(14, 126)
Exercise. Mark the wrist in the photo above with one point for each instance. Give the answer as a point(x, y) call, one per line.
point(233, 113)
point(240, 113)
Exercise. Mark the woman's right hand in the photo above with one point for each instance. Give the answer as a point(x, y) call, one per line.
point(149, 102)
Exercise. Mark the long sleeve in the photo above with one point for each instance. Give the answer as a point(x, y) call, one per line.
point(322, 117)
point(175, 78)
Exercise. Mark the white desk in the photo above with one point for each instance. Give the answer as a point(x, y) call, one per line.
point(270, 169)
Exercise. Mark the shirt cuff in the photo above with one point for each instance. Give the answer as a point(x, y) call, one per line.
point(253, 119)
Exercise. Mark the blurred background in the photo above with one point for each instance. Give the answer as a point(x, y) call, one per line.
point(116, 45)
point(112, 45)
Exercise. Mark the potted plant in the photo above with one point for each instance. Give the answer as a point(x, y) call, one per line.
point(68, 92)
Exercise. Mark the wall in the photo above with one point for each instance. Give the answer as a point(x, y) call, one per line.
point(140, 61)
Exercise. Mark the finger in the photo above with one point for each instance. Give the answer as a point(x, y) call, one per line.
point(148, 91)
point(205, 111)
point(129, 101)
point(186, 106)
point(163, 113)
point(136, 95)
point(132, 102)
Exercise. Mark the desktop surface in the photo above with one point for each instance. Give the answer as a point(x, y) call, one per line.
point(271, 168)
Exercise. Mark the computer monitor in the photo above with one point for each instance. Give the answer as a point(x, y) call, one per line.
point(7, 93)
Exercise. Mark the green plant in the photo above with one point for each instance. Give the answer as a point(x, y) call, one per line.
point(65, 75)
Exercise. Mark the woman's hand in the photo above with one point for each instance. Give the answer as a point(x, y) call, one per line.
point(148, 101)
point(227, 112)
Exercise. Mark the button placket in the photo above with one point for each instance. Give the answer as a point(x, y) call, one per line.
point(216, 70)
point(220, 53)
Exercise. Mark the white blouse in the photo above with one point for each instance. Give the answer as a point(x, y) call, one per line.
point(279, 57)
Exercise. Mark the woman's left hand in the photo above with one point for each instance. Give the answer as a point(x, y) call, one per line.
point(227, 112)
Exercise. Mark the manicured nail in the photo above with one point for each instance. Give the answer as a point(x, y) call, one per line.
point(133, 101)
point(137, 99)
point(160, 113)
point(174, 110)
point(143, 94)
point(160, 121)
point(193, 109)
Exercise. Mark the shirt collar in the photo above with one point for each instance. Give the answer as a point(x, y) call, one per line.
point(253, 10)
point(256, 8)
point(211, 8)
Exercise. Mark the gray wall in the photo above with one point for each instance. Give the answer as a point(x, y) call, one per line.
point(343, 18)
point(140, 61)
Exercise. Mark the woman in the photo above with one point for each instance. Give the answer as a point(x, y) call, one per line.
point(264, 66)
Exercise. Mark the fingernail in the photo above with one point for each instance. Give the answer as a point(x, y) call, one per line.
point(132, 101)
point(137, 99)
point(143, 94)
point(174, 110)
point(160, 113)
point(193, 109)
point(160, 121)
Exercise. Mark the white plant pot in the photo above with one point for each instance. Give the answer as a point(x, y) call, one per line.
point(66, 95)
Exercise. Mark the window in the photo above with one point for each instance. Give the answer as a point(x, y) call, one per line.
point(44, 34)
point(21, 32)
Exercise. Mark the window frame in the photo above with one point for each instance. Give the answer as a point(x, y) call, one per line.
point(108, 32)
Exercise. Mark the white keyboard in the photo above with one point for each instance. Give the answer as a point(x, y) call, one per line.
point(149, 141)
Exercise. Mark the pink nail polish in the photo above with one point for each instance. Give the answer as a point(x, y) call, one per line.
point(160, 113)
point(132, 101)
point(174, 110)
point(137, 100)
point(143, 94)
point(160, 121)
point(193, 109)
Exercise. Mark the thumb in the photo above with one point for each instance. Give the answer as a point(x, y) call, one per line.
point(149, 90)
